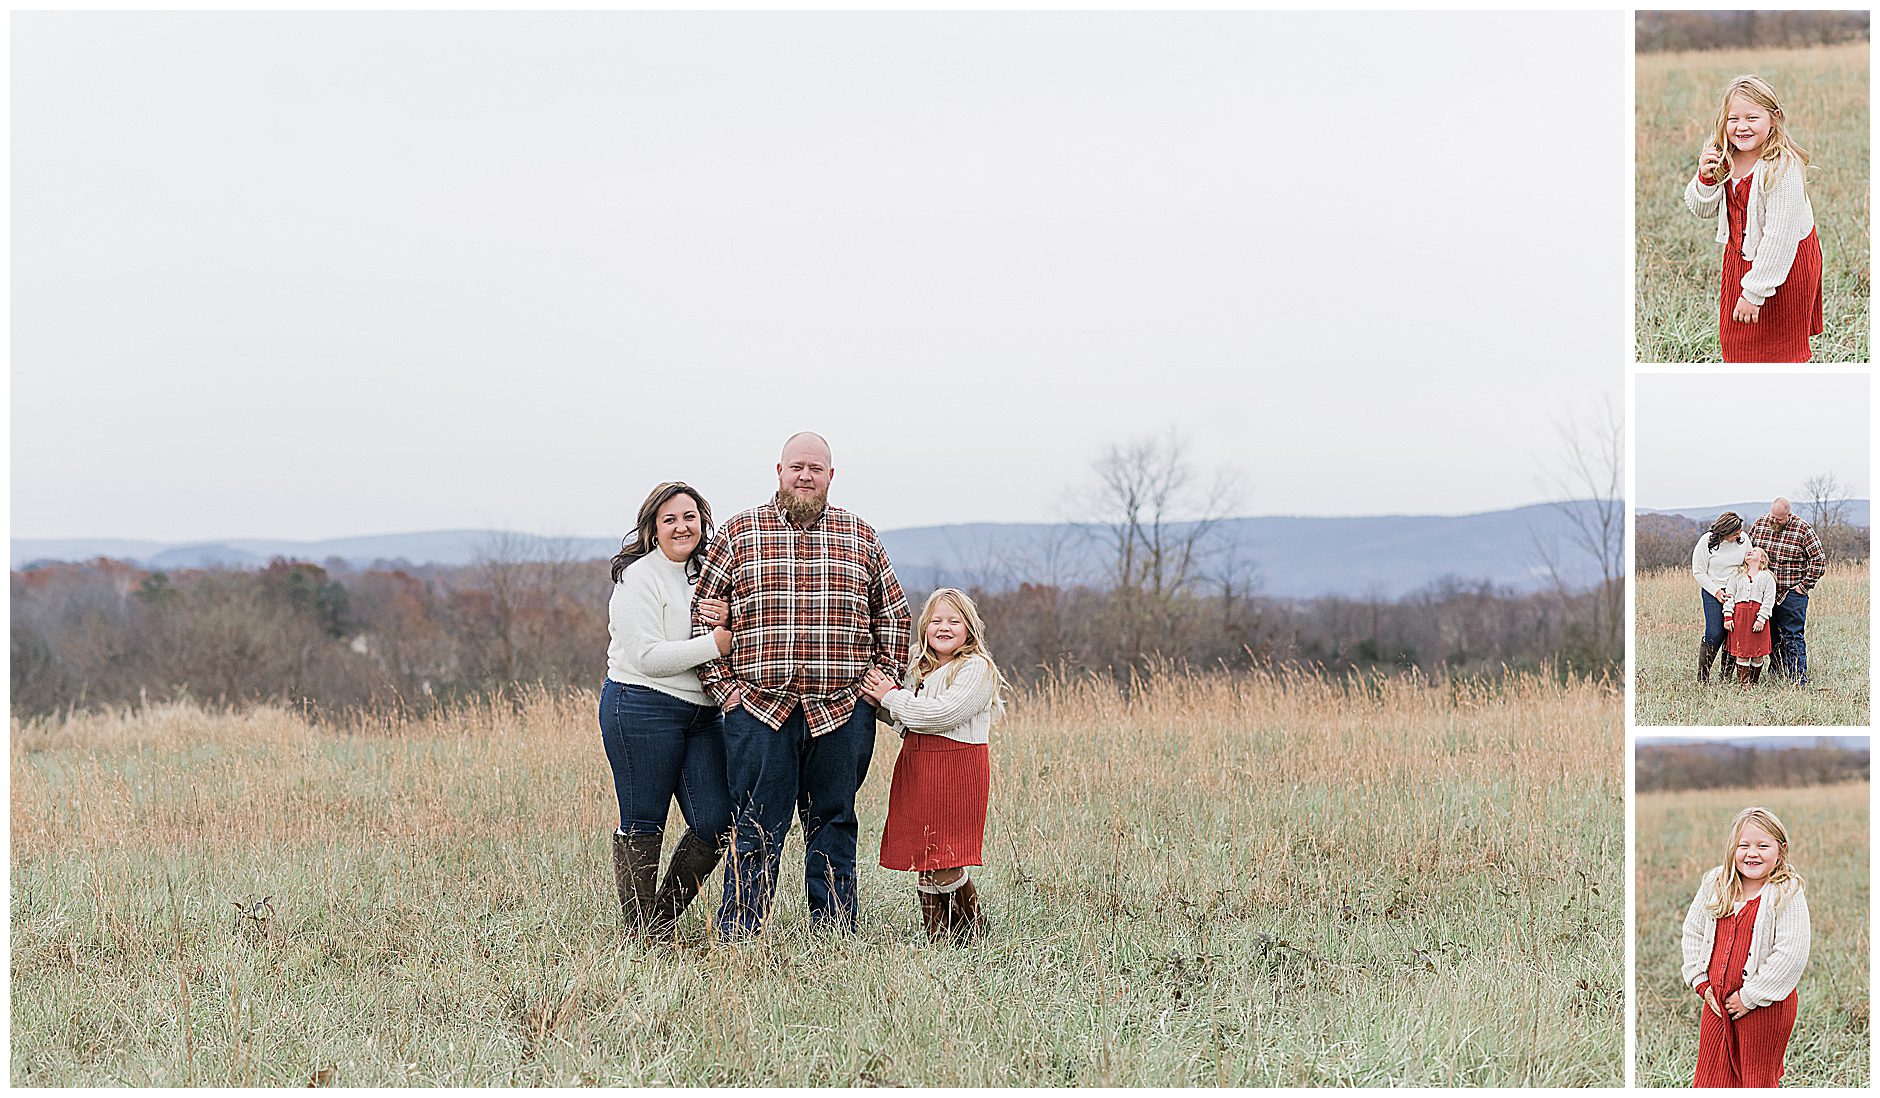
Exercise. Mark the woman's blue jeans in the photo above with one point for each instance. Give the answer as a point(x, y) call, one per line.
point(661, 747)
point(1714, 634)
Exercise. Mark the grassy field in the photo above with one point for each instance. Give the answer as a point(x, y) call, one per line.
point(1679, 262)
point(1214, 880)
point(1680, 836)
point(1670, 624)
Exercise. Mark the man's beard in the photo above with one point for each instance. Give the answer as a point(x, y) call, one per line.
point(801, 511)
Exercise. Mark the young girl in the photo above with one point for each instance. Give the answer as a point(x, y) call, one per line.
point(1748, 600)
point(942, 779)
point(1753, 170)
point(1745, 945)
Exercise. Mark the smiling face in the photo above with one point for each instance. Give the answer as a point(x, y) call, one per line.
point(1747, 124)
point(805, 470)
point(677, 527)
point(1757, 852)
point(945, 632)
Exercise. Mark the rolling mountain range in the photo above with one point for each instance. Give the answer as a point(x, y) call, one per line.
point(1857, 511)
point(1292, 557)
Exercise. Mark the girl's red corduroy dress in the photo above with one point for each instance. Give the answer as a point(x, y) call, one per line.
point(1746, 1051)
point(937, 804)
point(1790, 315)
point(1745, 642)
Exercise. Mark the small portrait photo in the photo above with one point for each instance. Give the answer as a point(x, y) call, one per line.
point(1752, 934)
point(1751, 549)
point(1752, 186)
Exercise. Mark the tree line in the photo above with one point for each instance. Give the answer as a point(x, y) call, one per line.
point(1739, 766)
point(1657, 31)
point(1665, 541)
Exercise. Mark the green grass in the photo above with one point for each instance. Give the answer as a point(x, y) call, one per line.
point(1679, 262)
point(1215, 881)
point(1670, 625)
point(1680, 836)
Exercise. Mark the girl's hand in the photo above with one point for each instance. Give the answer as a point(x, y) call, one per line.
point(1729, 623)
point(1710, 1000)
point(1745, 313)
point(714, 611)
point(1708, 162)
point(1734, 1004)
point(876, 685)
point(1757, 628)
point(722, 638)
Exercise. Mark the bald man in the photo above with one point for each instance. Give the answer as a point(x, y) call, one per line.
point(1796, 557)
point(814, 605)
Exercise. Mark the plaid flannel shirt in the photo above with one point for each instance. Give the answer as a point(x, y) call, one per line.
point(1794, 552)
point(811, 609)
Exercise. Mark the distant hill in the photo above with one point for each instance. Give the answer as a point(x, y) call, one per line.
point(1857, 511)
point(1294, 557)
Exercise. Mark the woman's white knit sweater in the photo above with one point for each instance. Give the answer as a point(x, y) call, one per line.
point(1779, 219)
point(1760, 589)
point(649, 629)
point(1778, 944)
point(1715, 568)
point(956, 702)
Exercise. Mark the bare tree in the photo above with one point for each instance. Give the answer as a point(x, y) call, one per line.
point(1157, 521)
point(1826, 499)
point(1589, 486)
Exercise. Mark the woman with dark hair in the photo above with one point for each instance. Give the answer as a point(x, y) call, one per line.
point(664, 737)
point(1715, 561)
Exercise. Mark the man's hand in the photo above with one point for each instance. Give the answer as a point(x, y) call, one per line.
point(1745, 313)
point(1734, 1004)
point(736, 699)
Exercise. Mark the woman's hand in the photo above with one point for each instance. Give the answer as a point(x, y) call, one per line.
point(1745, 313)
point(1708, 162)
point(722, 638)
point(714, 611)
point(1734, 1004)
point(876, 685)
point(1710, 1000)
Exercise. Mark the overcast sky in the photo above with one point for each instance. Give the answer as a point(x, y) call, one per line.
point(322, 275)
point(1695, 448)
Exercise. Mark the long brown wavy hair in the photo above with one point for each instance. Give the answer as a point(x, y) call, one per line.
point(1726, 526)
point(644, 538)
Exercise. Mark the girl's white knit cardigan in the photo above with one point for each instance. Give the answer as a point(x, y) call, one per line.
point(1779, 218)
point(1778, 944)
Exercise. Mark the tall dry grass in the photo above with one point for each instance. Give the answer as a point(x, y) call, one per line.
point(1681, 836)
point(1679, 270)
point(1246, 880)
point(1669, 625)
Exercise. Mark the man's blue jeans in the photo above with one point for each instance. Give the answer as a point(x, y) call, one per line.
point(1791, 650)
point(775, 771)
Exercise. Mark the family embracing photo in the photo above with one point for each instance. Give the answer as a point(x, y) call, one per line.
point(745, 672)
point(1752, 613)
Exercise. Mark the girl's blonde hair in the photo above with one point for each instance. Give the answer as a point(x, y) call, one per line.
point(1755, 552)
point(1730, 882)
point(924, 663)
point(1781, 145)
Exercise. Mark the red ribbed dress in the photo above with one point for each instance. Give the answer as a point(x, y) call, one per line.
point(937, 804)
point(1747, 1051)
point(1745, 641)
point(1790, 315)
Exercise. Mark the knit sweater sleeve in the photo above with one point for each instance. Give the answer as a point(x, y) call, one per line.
point(1729, 600)
point(1700, 562)
point(968, 695)
point(638, 616)
point(1781, 971)
point(1697, 921)
point(1765, 594)
point(1785, 222)
point(1703, 199)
